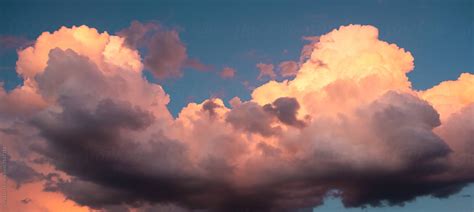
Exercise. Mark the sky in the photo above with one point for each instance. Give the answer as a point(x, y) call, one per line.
point(215, 51)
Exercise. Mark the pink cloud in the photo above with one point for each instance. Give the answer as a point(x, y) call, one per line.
point(227, 73)
point(167, 54)
point(84, 98)
point(266, 70)
point(198, 65)
point(288, 68)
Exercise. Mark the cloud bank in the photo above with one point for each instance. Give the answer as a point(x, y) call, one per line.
point(348, 125)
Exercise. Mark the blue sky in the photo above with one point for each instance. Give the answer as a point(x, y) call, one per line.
point(439, 34)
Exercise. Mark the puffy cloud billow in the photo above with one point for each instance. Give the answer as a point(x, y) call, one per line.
point(86, 125)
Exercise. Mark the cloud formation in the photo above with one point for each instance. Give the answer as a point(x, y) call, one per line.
point(20, 172)
point(166, 53)
point(349, 125)
point(266, 70)
point(13, 42)
point(288, 68)
point(227, 73)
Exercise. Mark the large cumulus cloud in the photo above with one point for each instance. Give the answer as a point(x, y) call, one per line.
point(349, 124)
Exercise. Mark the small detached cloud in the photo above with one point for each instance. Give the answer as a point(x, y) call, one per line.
point(227, 73)
point(288, 68)
point(13, 42)
point(266, 70)
point(166, 53)
point(197, 65)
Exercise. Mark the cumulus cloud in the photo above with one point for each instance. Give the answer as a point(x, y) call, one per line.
point(348, 125)
point(252, 117)
point(227, 73)
point(308, 48)
point(450, 96)
point(266, 70)
point(20, 102)
point(285, 109)
point(210, 107)
point(288, 68)
point(166, 53)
